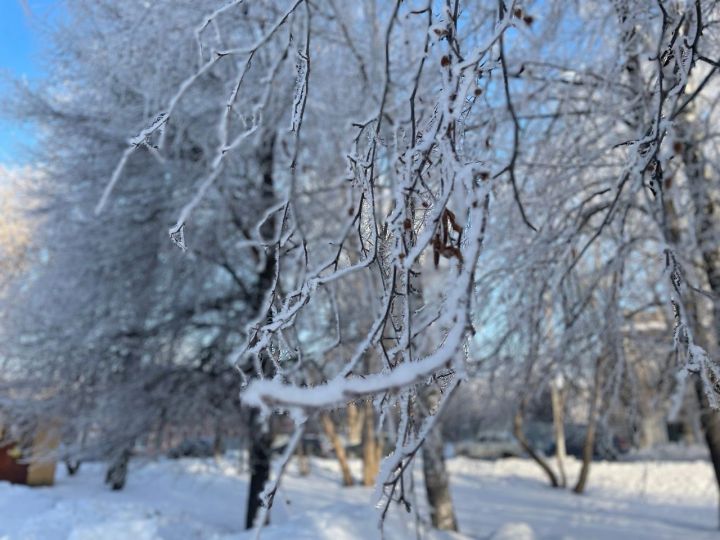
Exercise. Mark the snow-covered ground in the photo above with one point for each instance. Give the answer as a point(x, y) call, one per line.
point(507, 499)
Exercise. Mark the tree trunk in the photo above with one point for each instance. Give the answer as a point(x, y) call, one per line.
point(437, 487)
point(303, 459)
point(558, 409)
point(707, 228)
point(527, 447)
point(710, 420)
point(260, 451)
point(589, 445)
point(354, 425)
point(653, 428)
point(259, 464)
point(218, 444)
point(370, 450)
point(692, 430)
point(330, 432)
point(160, 432)
point(116, 475)
point(72, 466)
point(244, 451)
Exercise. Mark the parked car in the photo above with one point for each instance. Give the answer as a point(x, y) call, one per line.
point(313, 445)
point(316, 445)
point(490, 445)
point(200, 447)
point(607, 446)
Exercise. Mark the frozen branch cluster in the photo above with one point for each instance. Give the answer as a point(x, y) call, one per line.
point(441, 96)
point(404, 196)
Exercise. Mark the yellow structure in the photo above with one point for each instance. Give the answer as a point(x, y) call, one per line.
point(40, 471)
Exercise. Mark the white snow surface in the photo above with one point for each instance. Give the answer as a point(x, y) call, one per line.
point(506, 499)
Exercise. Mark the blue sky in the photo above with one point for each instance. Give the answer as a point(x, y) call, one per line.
point(20, 43)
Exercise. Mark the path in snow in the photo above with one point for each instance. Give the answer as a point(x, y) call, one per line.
point(507, 499)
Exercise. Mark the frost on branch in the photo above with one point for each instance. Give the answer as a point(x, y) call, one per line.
point(418, 144)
